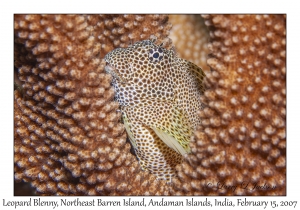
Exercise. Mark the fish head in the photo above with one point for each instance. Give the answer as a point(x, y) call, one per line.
point(142, 61)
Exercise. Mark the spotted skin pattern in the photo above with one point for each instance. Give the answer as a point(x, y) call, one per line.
point(159, 95)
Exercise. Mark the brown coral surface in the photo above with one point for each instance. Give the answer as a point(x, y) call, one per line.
point(68, 138)
point(190, 38)
point(240, 148)
point(68, 135)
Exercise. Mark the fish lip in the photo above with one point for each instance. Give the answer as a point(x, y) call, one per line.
point(110, 69)
point(108, 65)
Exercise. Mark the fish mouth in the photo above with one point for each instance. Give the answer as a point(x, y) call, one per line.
point(112, 70)
point(109, 68)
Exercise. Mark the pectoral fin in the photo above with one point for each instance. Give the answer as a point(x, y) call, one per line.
point(169, 123)
point(169, 140)
point(127, 125)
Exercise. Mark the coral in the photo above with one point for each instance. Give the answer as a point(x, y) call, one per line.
point(190, 38)
point(68, 138)
point(242, 138)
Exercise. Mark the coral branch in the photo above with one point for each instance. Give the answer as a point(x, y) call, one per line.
point(242, 138)
point(68, 138)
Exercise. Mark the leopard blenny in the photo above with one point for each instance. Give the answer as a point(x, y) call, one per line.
point(159, 96)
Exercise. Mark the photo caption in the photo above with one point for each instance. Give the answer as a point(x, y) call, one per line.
point(148, 202)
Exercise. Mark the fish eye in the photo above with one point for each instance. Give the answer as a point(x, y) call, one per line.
point(155, 54)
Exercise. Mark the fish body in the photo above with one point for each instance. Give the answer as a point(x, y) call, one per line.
point(159, 94)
